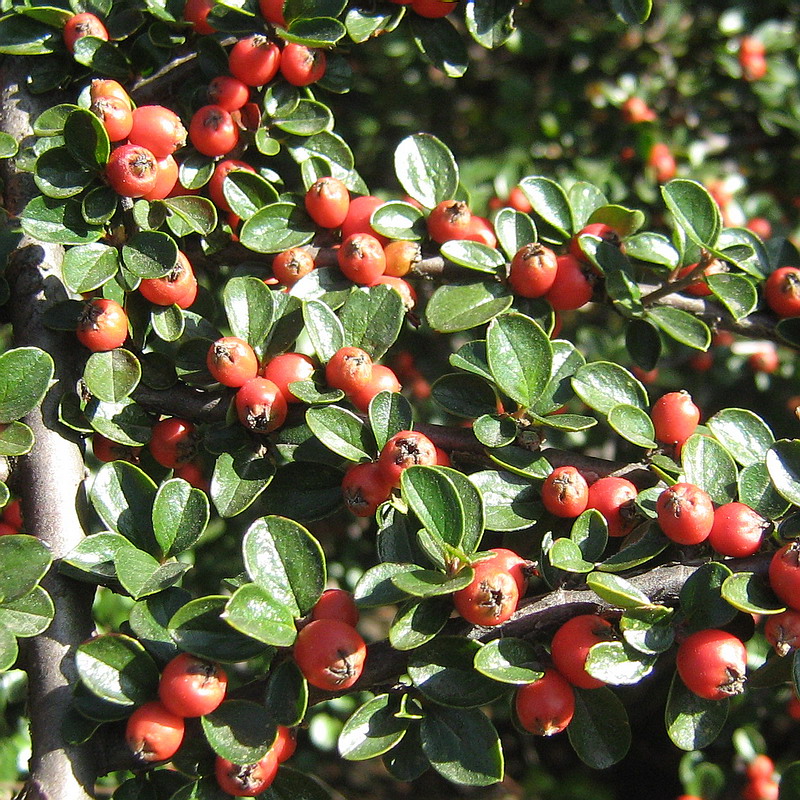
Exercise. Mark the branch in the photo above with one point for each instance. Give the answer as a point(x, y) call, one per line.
point(51, 476)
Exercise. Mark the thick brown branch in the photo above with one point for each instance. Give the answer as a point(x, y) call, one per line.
point(50, 477)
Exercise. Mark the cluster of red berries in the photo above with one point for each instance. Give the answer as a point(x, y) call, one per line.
point(351, 369)
point(761, 783)
point(368, 484)
point(193, 687)
point(175, 444)
point(752, 58)
point(328, 650)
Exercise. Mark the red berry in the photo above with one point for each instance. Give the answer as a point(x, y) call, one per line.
point(12, 513)
point(116, 115)
point(213, 132)
point(174, 442)
point(105, 450)
point(193, 474)
point(260, 406)
point(288, 368)
point(449, 220)
point(761, 767)
point(545, 707)
point(571, 644)
point(782, 291)
point(359, 215)
point(232, 361)
point(598, 229)
point(685, 513)
point(675, 417)
point(737, 530)
point(712, 664)
point(636, 110)
point(571, 288)
point(103, 325)
point(565, 492)
point(330, 654)
point(401, 256)
point(405, 449)
point(153, 733)
point(519, 200)
point(272, 11)
point(327, 202)
point(698, 287)
point(192, 686)
point(361, 258)
point(178, 286)
point(131, 170)
point(81, 25)
point(102, 88)
point(433, 9)
point(158, 129)
point(364, 488)
point(614, 499)
point(336, 604)
point(255, 60)
point(166, 179)
point(662, 161)
point(215, 184)
point(246, 780)
point(481, 230)
point(228, 93)
point(301, 65)
point(349, 369)
point(196, 12)
point(533, 270)
point(784, 574)
point(509, 561)
point(765, 360)
point(761, 789)
point(491, 598)
point(782, 631)
point(382, 380)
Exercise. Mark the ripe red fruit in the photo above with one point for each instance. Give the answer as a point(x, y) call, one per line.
point(481, 230)
point(685, 513)
point(449, 220)
point(272, 11)
point(675, 417)
point(361, 258)
point(598, 229)
point(12, 513)
point(213, 132)
point(327, 202)
point(782, 291)
point(330, 654)
point(116, 116)
point(174, 442)
point(215, 184)
point(158, 129)
point(153, 733)
point(571, 644)
point(192, 686)
point(192, 473)
point(232, 361)
point(510, 562)
point(491, 598)
point(636, 110)
point(288, 368)
point(102, 88)
point(765, 360)
point(382, 380)
point(401, 256)
point(301, 65)
point(291, 265)
point(737, 531)
point(358, 217)
point(761, 789)
point(196, 12)
point(349, 369)
point(103, 325)
point(364, 488)
point(662, 161)
point(761, 767)
point(81, 25)
point(752, 58)
point(336, 604)
point(402, 287)
point(614, 499)
point(760, 226)
point(246, 780)
point(433, 9)
point(782, 631)
point(565, 492)
point(105, 450)
point(166, 179)
point(7, 530)
point(285, 743)
point(545, 707)
point(255, 60)
point(533, 270)
point(131, 170)
point(712, 664)
point(228, 93)
point(571, 288)
point(260, 405)
point(178, 286)
point(698, 287)
point(405, 449)
point(784, 574)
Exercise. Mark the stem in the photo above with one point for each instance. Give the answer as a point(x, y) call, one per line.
point(50, 477)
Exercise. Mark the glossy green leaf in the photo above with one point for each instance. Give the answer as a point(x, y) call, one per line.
point(603, 385)
point(616, 590)
point(149, 620)
point(590, 533)
point(256, 613)
point(494, 430)
point(618, 664)
point(743, 434)
point(681, 326)
point(694, 210)
point(464, 395)
point(430, 583)
point(460, 307)
point(399, 220)
point(141, 575)
point(648, 629)
point(124, 422)
point(285, 560)
point(323, 328)
point(239, 730)
point(473, 255)
point(735, 292)
point(191, 215)
point(701, 597)
point(490, 24)
point(112, 375)
point(373, 319)
point(247, 192)
point(376, 587)
point(757, 491)
point(599, 732)
point(25, 560)
point(25, 375)
point(440, 44)
point(783, 464)
point(566, 555)
point(150, 254)
point(248, 306)
point(389, 413)
point(567, 360)
point(418, 622)
point(634, 424)
point(373, 729)
point(180, 516)
point(89, 266)
point(238, 479)
point(632, 12)
point(508, 660)
point(693, 722)
point(707, 464)
point(643, 549)
point(522, 462)
point(286, 697)
point(86, 139)
point(28, 615)
point(117, 668)
point(748, 592)
point(514, 230)
point(58, 221)
point(277, 227)
point(59, 175)
point(426, 169)
point(341, 431)
point(550, 203)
